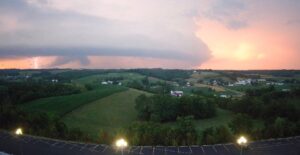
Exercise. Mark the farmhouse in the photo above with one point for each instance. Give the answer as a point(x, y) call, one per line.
point(54, 80)
point(275, 83)
point(285, 90)
point(224, 96)
point(104, 83)
point(243, 82)
point(230, 85)
point(176, 93)
point(188, 84)
point(261, 80)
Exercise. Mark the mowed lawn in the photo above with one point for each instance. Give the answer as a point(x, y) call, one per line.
point(107, 114)
point(61, 105)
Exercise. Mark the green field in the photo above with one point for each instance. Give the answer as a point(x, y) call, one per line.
point(108, 108)
point(100, 77)
point(109, 114)
point(61, 105)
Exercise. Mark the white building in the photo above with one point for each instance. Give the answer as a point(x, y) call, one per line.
point(176, 93)
point(54, 80)
point(261, 80)
point(285, 90)
point(104, 83)
point(224, 96)
point(215, 82)
point(243, 82)
point(275, 83)
point(230, 85)
point(188, 84)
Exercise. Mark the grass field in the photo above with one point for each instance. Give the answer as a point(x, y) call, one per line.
point(216, 88)
point(208, 75)
point(109, 114)
point(98, 78)
point(58, 106)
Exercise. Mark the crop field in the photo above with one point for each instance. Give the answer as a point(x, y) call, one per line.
point(109, 113)
point(58, 106)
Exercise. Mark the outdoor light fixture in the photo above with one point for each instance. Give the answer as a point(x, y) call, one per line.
point(19, 131)
point(242, 141)
point(121, 143)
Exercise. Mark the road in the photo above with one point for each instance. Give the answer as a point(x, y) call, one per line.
point(31, 145)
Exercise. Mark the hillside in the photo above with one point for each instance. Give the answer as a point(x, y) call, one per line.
point(109, 113)
point(61, 105)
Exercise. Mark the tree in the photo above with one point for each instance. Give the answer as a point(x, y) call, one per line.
point(220, 134)
point(208, 136)
point(104, 137)
point(223, 134)
point(143, 107)
point(281, 127)
point(241, 124)
point(164, 108)
point(186, 131)
point(145, 81)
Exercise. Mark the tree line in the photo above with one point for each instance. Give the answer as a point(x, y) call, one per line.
point(12, 117)
point(13, 93)
point(165, 74)
point(165, 108)
point(21, 92)
point(278, 110)
point(153, 133)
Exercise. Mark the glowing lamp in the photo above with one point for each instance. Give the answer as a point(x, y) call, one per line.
point(19, 131)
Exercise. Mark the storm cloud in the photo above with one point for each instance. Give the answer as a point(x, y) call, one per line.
point(74, 30)
point(223, 34)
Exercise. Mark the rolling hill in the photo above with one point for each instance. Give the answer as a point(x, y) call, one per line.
point(61, 105)
point(109, 113)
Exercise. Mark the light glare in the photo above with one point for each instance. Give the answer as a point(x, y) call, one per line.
point(19, 131)
point(121, 143)
point(242, 140)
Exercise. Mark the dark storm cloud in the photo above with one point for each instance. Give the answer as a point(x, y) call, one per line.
point(82, 52)
point(43, 28)
point(62, 60)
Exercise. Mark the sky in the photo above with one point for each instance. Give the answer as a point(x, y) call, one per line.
point(185, 34)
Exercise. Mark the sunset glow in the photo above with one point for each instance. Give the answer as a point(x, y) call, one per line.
point(217, 34)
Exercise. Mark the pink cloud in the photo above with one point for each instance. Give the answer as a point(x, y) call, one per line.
point(267, 42)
